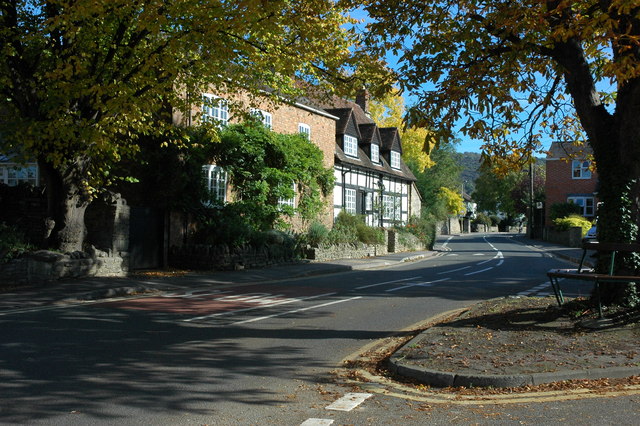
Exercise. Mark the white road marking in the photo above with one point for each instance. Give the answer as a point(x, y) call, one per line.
point(536, 289)
point(422, 284)
point(386, 282)
point(477, 272)
point(194, 293)
point(478, 254)
point(296, 310)
point(317, 422)
point(283, 302)
point(349, 401)
point(454, 270)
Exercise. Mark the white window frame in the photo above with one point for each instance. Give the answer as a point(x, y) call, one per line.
point(291, 202)
point(586, 203)
point(264, 117)
point(375, 153)
point(216, 179)
point(305, 129)
point(395, 160)
point(215, 109)
point(350, 200)
point(580, 169)
point(350, 146)
point(388, 206)
point(368, 201)
point(12, 174)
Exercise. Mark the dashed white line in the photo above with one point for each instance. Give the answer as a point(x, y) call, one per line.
point(349, 401)
point(386, 282)
point(454, 270)
point(480, 271)
point(296, 310)
point(422, 284)
point(283, 302)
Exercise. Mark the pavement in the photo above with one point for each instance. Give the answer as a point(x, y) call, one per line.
point(95, 288)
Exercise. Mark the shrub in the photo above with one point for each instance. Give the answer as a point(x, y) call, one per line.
point(563, 210)
point(350, 228)
point(424, 228)
point(564, 223)
point(12, 243)
point(482, 219)
point(316, 235)
point(495, 220)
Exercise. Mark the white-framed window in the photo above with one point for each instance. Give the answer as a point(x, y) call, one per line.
point(291, 202)
point(580, 169)
point(350, 200)
point(13, 175)
point(375, 153)
point(350, 146)
point(215, 110)
point(305, 129)
point(392, 209)
point(395, 160)
point(216, 180)
point(368, 201)
point(263, 116)
point(586, 204)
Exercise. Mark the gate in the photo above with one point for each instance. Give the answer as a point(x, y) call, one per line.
point(146, 238)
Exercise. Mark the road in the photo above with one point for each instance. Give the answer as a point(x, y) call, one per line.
point(265, 354)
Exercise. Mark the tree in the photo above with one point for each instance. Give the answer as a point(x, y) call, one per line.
point(508, 193)
point(510, 73)
point(80, 81)
point(389, 111)
point(445, 173)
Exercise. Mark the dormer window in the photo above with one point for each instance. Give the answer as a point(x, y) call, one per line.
point(395, 160)
point(350, 146)
point(375, 153)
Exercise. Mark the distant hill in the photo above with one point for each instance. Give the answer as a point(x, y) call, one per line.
point(470, 162)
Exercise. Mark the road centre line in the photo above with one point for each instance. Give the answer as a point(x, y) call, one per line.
point(283, 302)
point(386, 282)
point(296, 310)
point(454, 270)
point(477, 272)
point(423, 284)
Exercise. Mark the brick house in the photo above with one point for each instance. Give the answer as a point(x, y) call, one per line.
point(570, 178)
point(371, 178)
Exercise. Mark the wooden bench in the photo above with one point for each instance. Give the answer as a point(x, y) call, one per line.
point(589, 275)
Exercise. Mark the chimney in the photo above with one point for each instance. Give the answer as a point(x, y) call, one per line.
point(362, 99)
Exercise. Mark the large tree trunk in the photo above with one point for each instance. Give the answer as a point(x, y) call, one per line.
point(619, 191)
point(66, 204)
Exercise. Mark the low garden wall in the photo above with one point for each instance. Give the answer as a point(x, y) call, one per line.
point(569, 238)
point(345, 251)
point(222, 257)
point(44, 266)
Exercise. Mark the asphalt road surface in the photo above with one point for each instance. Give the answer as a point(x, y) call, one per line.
point(264, 354)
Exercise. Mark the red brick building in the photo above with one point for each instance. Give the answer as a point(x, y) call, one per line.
point(571, 178)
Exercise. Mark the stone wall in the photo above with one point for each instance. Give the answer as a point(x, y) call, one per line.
point(221, 257)
point(44, 266)
point(399, 242)
point(345, 251)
